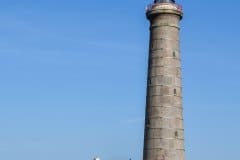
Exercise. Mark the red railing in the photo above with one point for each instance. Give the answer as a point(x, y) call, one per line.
point(151, 6)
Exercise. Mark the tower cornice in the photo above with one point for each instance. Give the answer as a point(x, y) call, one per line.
point(164, 8)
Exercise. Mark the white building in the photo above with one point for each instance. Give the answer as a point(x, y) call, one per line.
point(96, 158)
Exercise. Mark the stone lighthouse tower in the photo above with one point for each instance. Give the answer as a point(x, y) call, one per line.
point(164, 132)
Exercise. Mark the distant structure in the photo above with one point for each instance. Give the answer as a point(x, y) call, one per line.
point(164, 132)
point(96, 158)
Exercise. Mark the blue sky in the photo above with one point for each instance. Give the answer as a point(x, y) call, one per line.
point(73, 79)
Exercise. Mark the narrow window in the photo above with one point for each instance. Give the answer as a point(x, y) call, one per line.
point(150, 81)
point(175, 92)
point(148, 122)
point(154, 44)
point(176, 134)
point(174, 53)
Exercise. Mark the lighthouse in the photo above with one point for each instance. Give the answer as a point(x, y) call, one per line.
point(164, 131)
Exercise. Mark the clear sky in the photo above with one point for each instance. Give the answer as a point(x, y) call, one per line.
point(73, 79)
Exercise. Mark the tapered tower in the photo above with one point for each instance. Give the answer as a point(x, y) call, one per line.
point(164, 132)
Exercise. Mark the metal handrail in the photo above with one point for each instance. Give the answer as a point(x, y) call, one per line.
point(151, 6)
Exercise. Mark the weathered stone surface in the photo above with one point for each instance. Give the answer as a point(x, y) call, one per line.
point(164, 133)
point(171, 112)
point(165, 61)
